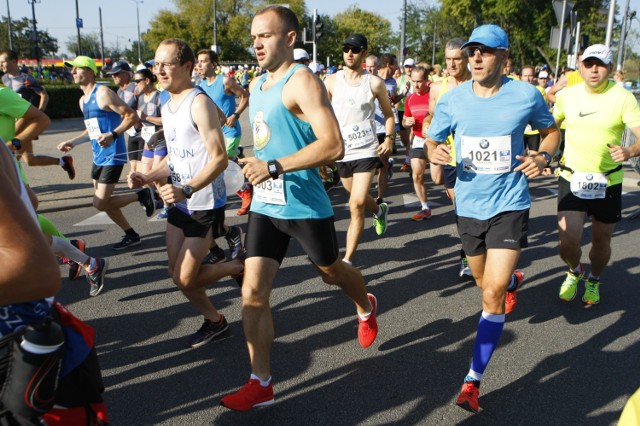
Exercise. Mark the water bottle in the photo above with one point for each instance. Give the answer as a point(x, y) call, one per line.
point(30, 388)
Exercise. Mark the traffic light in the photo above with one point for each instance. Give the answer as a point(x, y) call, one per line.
point(317, 29)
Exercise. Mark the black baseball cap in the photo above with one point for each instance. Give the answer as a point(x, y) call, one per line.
point(356, 40)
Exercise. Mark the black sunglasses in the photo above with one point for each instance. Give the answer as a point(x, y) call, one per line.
point(355, 50)
point(138, 80)
point(484, 50)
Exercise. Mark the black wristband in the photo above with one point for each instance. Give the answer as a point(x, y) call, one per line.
point(546, 156)
point(114, 135)
point(237, 115)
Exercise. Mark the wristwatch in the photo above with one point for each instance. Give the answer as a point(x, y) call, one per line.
point(546, 156)
point(272, 167)
point(188, 191)
point(114, 135)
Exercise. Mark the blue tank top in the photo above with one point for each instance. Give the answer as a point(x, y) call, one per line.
point(278, 133)
point(227, 103)
point(116, 153)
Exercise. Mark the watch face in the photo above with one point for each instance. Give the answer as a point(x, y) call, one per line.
point(187, 190)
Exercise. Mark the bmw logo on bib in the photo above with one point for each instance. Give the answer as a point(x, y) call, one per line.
point(484, 144)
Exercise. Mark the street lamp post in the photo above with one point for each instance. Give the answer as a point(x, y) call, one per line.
point(138, 16)
point(9, 27)
point(35, 35)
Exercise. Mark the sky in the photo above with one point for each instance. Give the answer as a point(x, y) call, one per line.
point(119, 21)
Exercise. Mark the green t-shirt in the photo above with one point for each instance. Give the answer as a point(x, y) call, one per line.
point(12, 107)
point(594, 121)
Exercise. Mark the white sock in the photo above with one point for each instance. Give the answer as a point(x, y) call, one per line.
point(425, 206)
point(263, 383)
point(93, 264)
point(60, 162)
point(348, 262)
point(63, 247)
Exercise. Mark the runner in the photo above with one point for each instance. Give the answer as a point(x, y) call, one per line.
point(416, 114)
point(28, 87)
point(590, 177)
point(294, 131)
point(352, 92)
point(492, 195)
point(457, 63)
point(196, 162)
point(106, 117)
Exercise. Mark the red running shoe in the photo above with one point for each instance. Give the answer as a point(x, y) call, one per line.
point(246, 197)
point(512, 298)
point(250, 396)
point(468, 398)
point(368, 329)
point(68, 166)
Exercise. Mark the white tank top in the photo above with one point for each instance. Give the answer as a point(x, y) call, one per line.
point(188, 155)
point(355, 109)
point(24, 195)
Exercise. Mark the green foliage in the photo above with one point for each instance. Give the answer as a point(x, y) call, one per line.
point(64, 99)
point(89, 44)
point(23, 43)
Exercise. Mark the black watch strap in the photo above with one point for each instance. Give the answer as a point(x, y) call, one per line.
point(114, 135)
point(272, 167)
point(546, 156)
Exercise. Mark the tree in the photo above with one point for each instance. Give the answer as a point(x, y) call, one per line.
point(89, 44)
point(23, 41)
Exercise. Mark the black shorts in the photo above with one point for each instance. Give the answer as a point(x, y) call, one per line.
point(400, 117)
point(605, 210)
point(507, 230)
point(450, 176)
point(135, 145)
point(106, 174)
point(346, 169)
point(269, 237)
point(417, 153)
point(532, 142)
point(197, 224)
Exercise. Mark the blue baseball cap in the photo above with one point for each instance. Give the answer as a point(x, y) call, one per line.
point(488, 35)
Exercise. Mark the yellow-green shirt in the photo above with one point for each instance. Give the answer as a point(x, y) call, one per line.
point(444, 88)
point(594, 121)
point(544, 95)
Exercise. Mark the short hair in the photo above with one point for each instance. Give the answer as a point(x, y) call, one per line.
point(373, 58)
point(455, 43)
point(286, 16)
point(524, 67)
point(10, 54)
point(423, 70)
point(213, 56)
point(387, 59)
point(185, 54)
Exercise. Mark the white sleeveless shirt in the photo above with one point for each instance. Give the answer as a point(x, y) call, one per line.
point(188, 155)
point(355, 110)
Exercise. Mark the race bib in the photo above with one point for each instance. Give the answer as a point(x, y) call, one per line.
point(270, 192)
point(417, 143)
point(147, 132)
point(589, 186)
point(358, 135)
point(93, 128)
point(131, 131)
point(486, 155)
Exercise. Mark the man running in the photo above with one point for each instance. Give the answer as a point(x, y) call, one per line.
point(590, 177)
point(29, 88)
point(196, 161)
point(416, 117)
point(294, 132)
point(106, 117)
point(352, 92)
point(458, 69)
point(487, 117)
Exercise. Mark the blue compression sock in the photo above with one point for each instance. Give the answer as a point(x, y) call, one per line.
point(489, 331)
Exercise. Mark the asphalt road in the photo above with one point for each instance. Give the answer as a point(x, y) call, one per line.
point(556, 363)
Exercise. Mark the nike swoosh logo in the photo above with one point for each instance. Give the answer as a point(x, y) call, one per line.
point(583, 114)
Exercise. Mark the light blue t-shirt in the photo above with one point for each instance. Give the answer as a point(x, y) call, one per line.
point(484, 124)
point(226, 102)
point(278, 133)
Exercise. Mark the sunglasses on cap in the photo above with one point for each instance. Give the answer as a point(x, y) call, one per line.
point(353, 49)
point(484, 50)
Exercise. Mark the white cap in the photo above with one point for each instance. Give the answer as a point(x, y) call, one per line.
point(299, 54)
point(543, 74)
point(313, 66)
point(140, 67)
point(598, 51)
point(409, 62)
